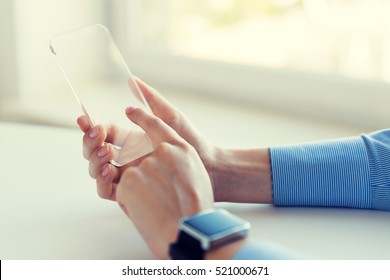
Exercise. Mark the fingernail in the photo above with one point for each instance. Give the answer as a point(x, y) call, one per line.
point(94, 132)
point(130, 109)
point(106, 170)
point(103, 151)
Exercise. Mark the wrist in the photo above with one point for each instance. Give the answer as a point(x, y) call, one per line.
point(210, 234)
point(242, 176)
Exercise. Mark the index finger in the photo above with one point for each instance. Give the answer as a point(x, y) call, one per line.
point(157, 130)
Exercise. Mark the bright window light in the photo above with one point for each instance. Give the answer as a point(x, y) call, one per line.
point(350, 38)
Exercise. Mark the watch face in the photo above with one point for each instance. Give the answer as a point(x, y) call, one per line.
point(213, 228)
point(214, 222)
point(205, 231)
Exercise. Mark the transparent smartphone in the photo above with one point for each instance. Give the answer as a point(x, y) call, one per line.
point(103, 85)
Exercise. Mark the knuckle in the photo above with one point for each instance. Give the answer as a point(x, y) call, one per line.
point(102, 190)
point(163, 148)
point(167, 150)
point(154, 122)
point(95, 165)
point(185, 146)
point(86, 154)
point(102, 194)
point(173, 118)
point(92, 170)
point(130, 182)
point(129, 175)
point(147, 163)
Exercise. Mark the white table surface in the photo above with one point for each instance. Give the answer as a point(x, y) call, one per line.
point(49, 210)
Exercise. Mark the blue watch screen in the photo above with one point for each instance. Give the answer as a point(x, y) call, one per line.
point(213, 222)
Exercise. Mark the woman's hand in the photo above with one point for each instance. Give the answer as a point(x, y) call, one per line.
point(236, 175)
point(99, 154)
point(169, 183)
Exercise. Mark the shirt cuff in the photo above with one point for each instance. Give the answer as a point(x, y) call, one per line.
point(330, 173)
point(378, 149)
point(266, 250)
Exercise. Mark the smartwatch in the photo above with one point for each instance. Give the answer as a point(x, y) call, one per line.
point(205, 231)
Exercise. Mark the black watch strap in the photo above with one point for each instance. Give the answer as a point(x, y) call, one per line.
point(186, 248)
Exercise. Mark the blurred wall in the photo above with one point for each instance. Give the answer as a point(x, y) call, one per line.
point(33, 24)
point(8, 83)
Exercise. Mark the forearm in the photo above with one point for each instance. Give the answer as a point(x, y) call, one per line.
point(242, 176)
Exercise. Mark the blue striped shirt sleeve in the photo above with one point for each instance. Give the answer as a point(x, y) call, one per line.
point(266, 250)
point(351, 172)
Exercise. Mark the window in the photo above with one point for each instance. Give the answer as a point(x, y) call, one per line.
point(326, 58)
point(321, 57)
point(349, 38)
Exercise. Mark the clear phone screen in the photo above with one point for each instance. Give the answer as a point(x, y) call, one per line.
point(102, 83)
